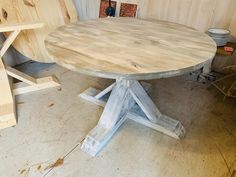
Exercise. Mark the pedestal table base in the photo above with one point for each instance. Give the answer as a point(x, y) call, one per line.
point(127, 100)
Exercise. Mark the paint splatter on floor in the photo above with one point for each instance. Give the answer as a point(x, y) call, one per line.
point(39, 167)
point(22, 171)
point(58, 163)
point(51, 105)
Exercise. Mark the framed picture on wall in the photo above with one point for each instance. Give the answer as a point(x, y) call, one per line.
point(103, 7)
point(128, 10)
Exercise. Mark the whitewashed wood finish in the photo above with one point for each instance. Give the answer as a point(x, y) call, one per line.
point(145, 103)
point(105, 91)
point(164, 124)
point(113, 116)
point(129, 47)
point(90, 95)
point(53, 13)
point(118, 104)
point(128, 99)
point(99, 97)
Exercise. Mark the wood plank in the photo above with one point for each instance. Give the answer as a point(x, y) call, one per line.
point(164, 124)
point(145, 102)
point(8, 42)
point(112, 118)
point(98, 137)
point(21, 26)
point(105, 91)
point(118, 104)
point(90, 95)
point(20, 76)
point(42, 83)
point(99, 97)
point(7, 105)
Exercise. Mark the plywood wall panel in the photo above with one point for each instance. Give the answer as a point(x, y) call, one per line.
point(89, 9)
point(223, 13)
point(233, 24)
point(199, 14)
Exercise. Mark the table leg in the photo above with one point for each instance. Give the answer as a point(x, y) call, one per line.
point(128, 99)
point(114, 114)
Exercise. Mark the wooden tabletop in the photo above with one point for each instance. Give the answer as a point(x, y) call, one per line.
point(129, 47)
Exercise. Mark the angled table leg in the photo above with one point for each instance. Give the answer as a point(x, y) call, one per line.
point(128, 99)
point(153, 117)
point(112, 118)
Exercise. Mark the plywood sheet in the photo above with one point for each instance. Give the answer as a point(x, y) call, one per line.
point(53, 13)
point(233, 24)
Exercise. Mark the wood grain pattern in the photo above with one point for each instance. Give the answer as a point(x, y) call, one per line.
point(53, 13)
point(128, 47)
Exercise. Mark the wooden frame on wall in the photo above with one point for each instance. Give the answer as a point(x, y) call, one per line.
point(128, 10)
point(103, 6)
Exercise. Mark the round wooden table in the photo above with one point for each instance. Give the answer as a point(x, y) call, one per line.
point(128, 50)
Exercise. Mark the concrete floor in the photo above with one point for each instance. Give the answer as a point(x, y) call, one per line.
point(53, 123)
